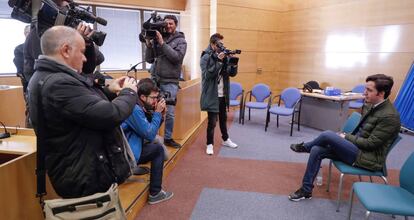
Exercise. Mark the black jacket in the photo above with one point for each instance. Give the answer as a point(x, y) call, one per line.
point(81, 129)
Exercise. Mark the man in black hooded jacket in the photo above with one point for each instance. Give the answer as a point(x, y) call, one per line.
point(81, 133)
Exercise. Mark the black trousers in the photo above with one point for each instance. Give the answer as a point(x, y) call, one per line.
point(212, 119)
point(155, 153)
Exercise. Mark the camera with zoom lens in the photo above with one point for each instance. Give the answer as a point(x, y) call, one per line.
point(149, 27)
point(231, 62)
point(167, 97)
point(50, 14)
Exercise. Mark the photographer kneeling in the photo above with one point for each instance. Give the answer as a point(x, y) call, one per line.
point(141, 129)
point(215, 90)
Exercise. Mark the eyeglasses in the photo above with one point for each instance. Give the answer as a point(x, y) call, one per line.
point(153, 97)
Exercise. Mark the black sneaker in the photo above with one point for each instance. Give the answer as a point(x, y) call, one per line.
point(172, 143)
point(140, 170)
point(298, 148)
point(300, 194)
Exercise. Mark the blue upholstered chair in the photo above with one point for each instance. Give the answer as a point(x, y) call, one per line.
point(344, 168)
point(291, 99)
point(357, 104)
point(236, 91)
point(387, 199)
point(260, 92)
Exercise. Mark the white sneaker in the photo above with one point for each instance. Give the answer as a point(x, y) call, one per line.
point(229, 143)
point(209, 149)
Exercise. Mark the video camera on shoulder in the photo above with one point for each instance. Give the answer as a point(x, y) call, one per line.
point(149, 27)
point(50, 14)
point(230, 61)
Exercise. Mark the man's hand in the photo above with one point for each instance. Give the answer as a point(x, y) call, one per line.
point(159, 38)
point(342, 135)
point(130, 83)
point(148, 43)
point(123, 82)
point(160, 106)
point(221, 56)
point(84, 30)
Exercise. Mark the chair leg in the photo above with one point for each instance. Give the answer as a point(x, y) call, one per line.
point(267, 120)
point(298, 125)
point(406, 217)
point(338, 202)
point(351, 201)
point(360, 178)
point(329, 176)
point(367, 213)
point(244, 110)
point(240, 113)
point(249, 114)
point(385, 179)
point(277, 120)
point(370, 178)
point(291, 126)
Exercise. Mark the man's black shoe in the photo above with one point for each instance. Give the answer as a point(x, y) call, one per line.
point(172, 143)
point(298, 148)
point(300, 194)
point(140, 170)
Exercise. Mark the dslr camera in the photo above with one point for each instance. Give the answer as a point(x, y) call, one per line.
point(50, 14)
point(231, 62)
point(167, 97)
point(149, 27)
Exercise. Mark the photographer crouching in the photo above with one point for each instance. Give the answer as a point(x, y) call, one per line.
point(141, 129)
point(217, 65)
point(166, 53)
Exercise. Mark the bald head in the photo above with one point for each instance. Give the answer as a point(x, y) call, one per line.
point(64, 44)
point(57, 36)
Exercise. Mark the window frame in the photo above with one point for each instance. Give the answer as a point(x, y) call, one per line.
point(93, 6)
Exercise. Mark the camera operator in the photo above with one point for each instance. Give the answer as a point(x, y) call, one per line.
point(74, 120)
point(141, 129)
point(215, 90)
point(19, 63)
point(166, 54)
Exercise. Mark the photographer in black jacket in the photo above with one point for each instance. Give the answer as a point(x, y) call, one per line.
point(81, 132)
point(215, 90)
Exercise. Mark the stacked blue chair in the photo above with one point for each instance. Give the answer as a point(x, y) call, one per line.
point(344, 168)
point(357, 104)
point(236, 91)
point(260, 92)
point(291, 98)
point(387, 199)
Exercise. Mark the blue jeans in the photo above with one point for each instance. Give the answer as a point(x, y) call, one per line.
point(327, 145)
point(172, 88)
point(154, 153)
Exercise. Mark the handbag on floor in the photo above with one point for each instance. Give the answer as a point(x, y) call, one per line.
point(97, 206)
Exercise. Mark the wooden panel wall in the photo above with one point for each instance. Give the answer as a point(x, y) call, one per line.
point(335, 42)
point(178, 5)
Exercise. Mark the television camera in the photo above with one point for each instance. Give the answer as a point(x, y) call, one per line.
point(50, 14)
point(149, 27)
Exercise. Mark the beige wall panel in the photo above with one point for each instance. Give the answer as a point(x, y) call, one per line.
point(247, 62)
point(389, 38)
point(240, 39)
point(296, 62)
point(258, 4)
point(349, 14)
point(268, 41)
point(204, 16)
point(246, 79)
point(246, 18)
point(268, 62)
point(164, 4)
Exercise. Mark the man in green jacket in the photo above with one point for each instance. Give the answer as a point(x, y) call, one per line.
point(215, 91)
point(365, 147)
